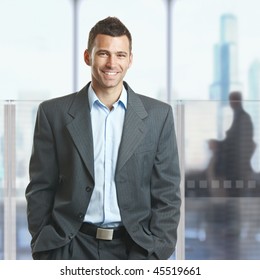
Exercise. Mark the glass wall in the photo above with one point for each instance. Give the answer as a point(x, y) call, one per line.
point(222, 180)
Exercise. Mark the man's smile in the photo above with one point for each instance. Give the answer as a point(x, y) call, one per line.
point(110, 73)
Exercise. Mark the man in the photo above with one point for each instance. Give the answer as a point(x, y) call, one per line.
point(104, 171)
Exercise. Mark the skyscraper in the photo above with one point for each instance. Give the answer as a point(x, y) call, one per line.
point(225, 64)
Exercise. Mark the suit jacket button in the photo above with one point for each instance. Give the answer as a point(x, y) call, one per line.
point(71, 236)
point(88, 189)
point(81, 216)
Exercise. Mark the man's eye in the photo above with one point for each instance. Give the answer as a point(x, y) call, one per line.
point(121, 55)
point(103, 54)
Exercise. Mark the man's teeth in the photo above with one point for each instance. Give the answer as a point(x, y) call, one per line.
point(110, 73)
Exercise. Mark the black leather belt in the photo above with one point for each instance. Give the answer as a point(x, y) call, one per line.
point(103, 233)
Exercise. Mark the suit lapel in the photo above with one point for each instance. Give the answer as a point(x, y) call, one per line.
point(134, 128)
point(81, 131)
point(80, 128)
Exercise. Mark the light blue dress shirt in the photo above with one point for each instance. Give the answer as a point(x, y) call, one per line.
point(107, 127)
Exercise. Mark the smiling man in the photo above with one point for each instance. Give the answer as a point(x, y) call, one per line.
point(104, 169)
point(109, 58)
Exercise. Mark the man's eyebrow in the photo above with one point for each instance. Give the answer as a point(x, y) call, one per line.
point(102, 50)
point(117, 52)
point(122, 52)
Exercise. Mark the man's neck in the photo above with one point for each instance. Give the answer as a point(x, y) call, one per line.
point(108, 96)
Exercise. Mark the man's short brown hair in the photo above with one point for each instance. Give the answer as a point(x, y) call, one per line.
point(111, 26)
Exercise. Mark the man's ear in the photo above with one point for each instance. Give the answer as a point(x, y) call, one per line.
point(87, 57)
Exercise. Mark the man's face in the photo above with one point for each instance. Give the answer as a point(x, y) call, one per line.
point(109, 60)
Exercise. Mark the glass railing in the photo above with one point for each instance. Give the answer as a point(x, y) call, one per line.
point(220, 164)
point(16, 130)
point(221, 161)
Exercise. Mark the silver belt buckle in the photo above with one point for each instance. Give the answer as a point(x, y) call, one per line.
point(104, 233)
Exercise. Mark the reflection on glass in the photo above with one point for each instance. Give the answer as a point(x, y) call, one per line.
point(222, 181)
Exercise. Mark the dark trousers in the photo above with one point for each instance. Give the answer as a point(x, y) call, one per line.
point(86, 247)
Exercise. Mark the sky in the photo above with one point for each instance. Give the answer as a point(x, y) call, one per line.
point(36, 44)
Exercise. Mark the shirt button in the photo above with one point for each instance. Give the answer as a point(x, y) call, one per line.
point(88, 189)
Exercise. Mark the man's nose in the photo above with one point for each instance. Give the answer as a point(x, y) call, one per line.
point(111, 61)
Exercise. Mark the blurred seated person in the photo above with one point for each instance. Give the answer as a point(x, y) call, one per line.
point(231, 156)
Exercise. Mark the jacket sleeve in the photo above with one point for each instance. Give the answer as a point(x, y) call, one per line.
point(43, 171)
point(165, 191)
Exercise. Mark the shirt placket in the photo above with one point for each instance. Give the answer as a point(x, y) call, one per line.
point(108, 166)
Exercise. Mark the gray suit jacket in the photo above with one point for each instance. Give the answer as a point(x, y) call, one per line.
point(62, 173)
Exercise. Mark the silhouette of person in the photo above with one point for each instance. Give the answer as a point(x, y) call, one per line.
point(233, 154)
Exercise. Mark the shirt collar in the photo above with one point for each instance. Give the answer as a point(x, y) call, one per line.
point(92, 98)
